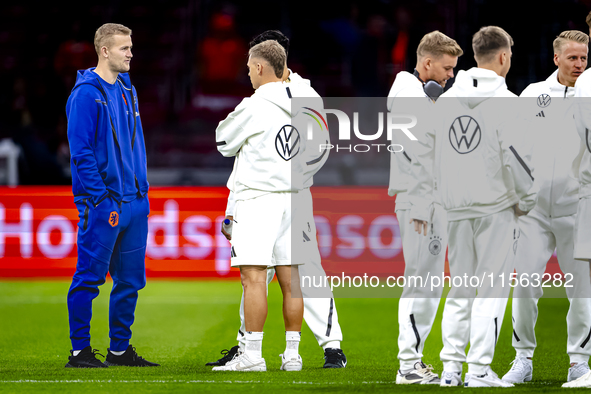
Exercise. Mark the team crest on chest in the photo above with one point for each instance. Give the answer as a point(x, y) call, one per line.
point(287, 142)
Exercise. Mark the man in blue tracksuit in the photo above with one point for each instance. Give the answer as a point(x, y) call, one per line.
point(110, 187)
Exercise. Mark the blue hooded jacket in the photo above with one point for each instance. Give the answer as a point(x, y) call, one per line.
point(97, 162)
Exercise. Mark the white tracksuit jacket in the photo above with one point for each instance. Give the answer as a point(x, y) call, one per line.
point(313, 158)
point(556, 143)
point(406, 85)
point(481, 173)
point(267, 156)
point(582, 164)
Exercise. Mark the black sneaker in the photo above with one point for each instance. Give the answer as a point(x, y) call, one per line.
point(128, 359)
point(228, 355)
point(334, 358)
point(85, 359)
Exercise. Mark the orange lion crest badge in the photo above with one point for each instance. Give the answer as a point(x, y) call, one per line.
point(114, 219)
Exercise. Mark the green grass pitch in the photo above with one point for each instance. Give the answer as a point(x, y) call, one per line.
point(184, 324)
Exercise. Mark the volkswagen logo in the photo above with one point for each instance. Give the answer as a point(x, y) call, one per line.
point(465, 134)
point(287, 142)
point(544, 100)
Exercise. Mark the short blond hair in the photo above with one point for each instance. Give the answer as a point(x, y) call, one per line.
point(488, 41)
point(569, 35)
point(438, 44)
point(104, 35)
point(272, 53)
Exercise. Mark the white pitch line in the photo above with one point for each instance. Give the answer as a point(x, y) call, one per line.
point(185, 381)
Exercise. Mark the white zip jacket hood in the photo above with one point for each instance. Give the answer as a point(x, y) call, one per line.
point(554, 136)
point(406, 85)
point(477, 164)
point(582, 163)
point(267, 147)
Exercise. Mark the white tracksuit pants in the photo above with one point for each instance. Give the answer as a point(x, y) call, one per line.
point(583, 229)
point(418, 305)
point(320, 313)
point(477, 247)
point(540, 235)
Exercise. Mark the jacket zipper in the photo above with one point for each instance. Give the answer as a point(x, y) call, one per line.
point(137, 185)
point(134, 118)
point(116, 140)
point(133, 113)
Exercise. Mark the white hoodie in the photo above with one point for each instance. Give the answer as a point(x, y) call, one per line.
point(582, 163)
point(268, 149)
point(406, 85)
point(477, 166)
point(556, 142)
point(313, 157)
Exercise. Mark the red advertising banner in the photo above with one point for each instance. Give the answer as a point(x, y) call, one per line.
point(357, 232)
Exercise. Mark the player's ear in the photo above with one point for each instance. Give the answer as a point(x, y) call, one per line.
point(556, 59)
point(503, 58)
point(104, 52)
point(427, 62)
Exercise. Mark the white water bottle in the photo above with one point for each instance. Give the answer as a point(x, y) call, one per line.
point(227, 226)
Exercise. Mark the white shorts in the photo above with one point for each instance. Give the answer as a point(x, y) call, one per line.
point(583, 230)
point(261, 233)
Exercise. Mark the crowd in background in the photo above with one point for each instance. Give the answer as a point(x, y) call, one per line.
point(189, 63)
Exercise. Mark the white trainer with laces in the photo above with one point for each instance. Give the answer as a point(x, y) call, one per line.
point(583, 382)
point(489, 379)
point(451, 379)
point(242, 363)
point(422, 374)
point(576, 371)
point(293, 364)
point(521, 371)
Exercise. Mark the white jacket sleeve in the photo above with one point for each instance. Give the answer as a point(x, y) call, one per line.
point(231, 204)
point(421, 184)
point(517, 159)
point(235, 129)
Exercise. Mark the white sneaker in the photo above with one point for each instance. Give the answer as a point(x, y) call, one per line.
point(576, 371)
point(583, 381)
point(489, 379)
point(241, 362)
point(422, 374)
point(451, 379)
point(521, 371)
point(293, 364)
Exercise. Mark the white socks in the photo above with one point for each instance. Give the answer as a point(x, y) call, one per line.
point(292, 343)
point(254, 344)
